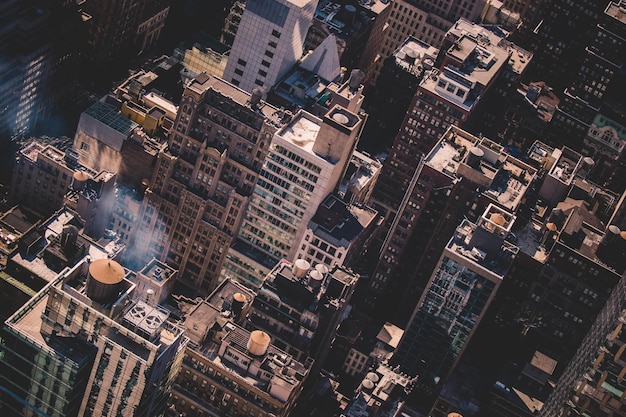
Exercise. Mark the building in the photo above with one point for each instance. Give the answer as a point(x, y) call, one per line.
point(305, 162)
point(154, 282)
point(427, 21)
point(108, 140)
point(301, 307)
point(350, 25)
point(37, 249)
point(337, 234)
point(592, 384)
point(400, 75)
point(604, 144)
point(360, 179)
point(203, 182)
point(467, 277)
point(113, 41)
point(42, 176)
point(124, 215)
point(458, 179)
point(40, 57)
point(228, 369)
point(47, 179)
point(382, 392)
point(82, 346)
point(92, 199)
point(269, 41)
point(592, 89)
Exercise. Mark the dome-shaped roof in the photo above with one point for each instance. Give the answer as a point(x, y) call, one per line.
point(106, 271)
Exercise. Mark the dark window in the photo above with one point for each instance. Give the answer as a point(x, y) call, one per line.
point(238, 71)
point(265, 63)
point(262, 73)
point(241, 62)
point(276, 34)
point(270, 54)
point(272, 44)
point(258, 82)
point(234, 81)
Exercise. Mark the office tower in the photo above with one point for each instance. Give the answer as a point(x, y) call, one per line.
point(301, 306)
point(557, 33)
point(348, 24)
point(426, 20)
point(337, 234)
point(203, 182)
point(594, 87)
point(82, 346)
point(593, 382)
point(305, 162)
point(230, 370)
point(399, 77)
point(461, 288)
point(459, 178)
point(268, 42)
point(112, 40)
point(40, 45)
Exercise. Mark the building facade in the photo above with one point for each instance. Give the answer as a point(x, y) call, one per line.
point(82, 346)
point(268, 42)
point(203, 182)
point(469, 272)
point(305, 162)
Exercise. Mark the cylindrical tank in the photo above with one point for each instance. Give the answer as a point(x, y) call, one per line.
point(237, 304)
point(322, 268)
point(498, 219)
point(474, 156)
point(79, 180)
point(315, 278)
point(356, 78)
point(367, 384)
point(372, 376)
point(300, 268)
point(69, 236)
point(103, 280)
point(258, 343)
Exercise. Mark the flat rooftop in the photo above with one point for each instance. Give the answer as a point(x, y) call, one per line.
point(204, 82)
point(301, 131)
point(477, 245)
point(414, 55)
point(505, 178)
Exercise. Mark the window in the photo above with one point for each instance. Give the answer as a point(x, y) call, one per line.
point(262, 73)
point(238, 71)
point(258, 82)
point(272, 44)
point(276, 34)
point(241, 62)
point(269, 54)
point(265, 63)
point(84, 146)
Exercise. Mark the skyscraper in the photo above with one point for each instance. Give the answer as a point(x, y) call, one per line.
point(468, 274)
point(268, 42)
point(305, 162)
point(203, 182)
point(426, 20)
point(82, 346)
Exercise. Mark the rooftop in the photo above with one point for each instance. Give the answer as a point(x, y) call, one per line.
point(111, 117)
point(338, 222)
point(484, 244)
point(460, 154)
point(415, 56)
point(204, 82)
point(301, 131)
